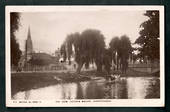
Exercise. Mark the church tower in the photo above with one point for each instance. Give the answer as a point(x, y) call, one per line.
point(28, 46)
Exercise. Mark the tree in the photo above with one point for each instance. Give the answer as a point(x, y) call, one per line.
point(115, 48)
point(15, 51)
point(88, 47)
point(149, 36)
point(93, 46)
point(123, 49)
point(40, 59)
point(107, 60)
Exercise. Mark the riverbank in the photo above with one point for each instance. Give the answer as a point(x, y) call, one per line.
point(74, 76)
point(34, 80)
point(133, 73)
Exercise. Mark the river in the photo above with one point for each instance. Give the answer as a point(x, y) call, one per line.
point(98, 88)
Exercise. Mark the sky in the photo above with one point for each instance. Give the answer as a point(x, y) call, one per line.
point(49, 29)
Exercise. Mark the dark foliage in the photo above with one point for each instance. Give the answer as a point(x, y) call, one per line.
point(123, 49)
point(88, 46)
point(149, 36)
point(41, 59)
point(15, 51)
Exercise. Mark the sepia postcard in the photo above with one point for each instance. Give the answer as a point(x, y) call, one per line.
point(85, 56)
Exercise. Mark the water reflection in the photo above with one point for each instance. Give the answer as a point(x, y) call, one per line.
point(131, 88)
point(63, 91)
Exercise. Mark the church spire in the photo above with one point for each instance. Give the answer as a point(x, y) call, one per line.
point(29, 45)
point(29, 33)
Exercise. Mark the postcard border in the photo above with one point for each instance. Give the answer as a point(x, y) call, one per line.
point(116, 103)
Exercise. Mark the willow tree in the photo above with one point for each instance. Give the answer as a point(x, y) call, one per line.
point(88, 47)
point(115, 48)
point(125, 51)
point(107, 60)
point(121, 46)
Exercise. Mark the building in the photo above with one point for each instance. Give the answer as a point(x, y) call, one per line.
point(27, 54)
point(38, 61)
point(28, 46)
